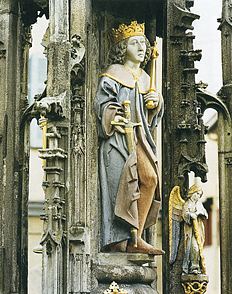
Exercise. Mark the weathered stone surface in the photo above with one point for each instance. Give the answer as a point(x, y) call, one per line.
point(124, 274)
point(118, 258)
point(183, 129)
point(192, 278)
point(14, 46)
point(225, 151)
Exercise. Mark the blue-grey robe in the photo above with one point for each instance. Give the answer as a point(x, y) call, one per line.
point(119, 183)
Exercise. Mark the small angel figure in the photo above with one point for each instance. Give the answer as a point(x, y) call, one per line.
point(193, 213)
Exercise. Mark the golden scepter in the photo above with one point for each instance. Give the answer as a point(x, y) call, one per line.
point(154, 56)
point(129, 133)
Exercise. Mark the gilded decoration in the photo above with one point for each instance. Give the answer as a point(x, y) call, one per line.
point(124, 32)
point(114, 288)
point(195, 287)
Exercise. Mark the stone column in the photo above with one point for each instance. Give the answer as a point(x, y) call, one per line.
point(183, 129)
point(225, 150)
point(56, 109)
point(14, 46)
point(81, 207)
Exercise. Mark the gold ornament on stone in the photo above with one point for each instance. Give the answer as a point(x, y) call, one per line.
point(195, 287)
point(114, 288)
point(124, 32)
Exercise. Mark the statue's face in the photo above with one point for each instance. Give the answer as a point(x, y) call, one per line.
point(136, 49)
point(196, 196)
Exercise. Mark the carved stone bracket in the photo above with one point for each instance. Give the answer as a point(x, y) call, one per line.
point(183, 18)
point(191, 55)
point(197, 165)
point(53, 106)
point(195, 284)
point(209, 100)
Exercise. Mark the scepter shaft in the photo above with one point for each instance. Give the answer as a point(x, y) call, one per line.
point(154, 56)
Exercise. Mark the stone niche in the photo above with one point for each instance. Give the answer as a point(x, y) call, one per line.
point(134, 273)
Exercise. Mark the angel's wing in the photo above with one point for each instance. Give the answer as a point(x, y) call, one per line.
point(176, 204)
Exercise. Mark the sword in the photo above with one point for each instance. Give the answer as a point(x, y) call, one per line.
point(129, 133)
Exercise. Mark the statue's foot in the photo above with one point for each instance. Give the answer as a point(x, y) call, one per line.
point(144, 247)
point(195, 271)
point(115, 247)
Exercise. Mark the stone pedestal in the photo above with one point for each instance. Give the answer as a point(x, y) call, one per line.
point(134, 273)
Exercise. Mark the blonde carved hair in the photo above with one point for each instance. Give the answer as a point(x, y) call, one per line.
point(193, 189)
point(117, 53)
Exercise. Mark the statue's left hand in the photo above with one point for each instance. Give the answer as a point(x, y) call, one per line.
point(151, 98)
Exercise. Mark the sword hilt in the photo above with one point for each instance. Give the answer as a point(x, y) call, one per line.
point(127, 111)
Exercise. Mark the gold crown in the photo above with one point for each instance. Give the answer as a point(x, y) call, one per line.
point(123, 32)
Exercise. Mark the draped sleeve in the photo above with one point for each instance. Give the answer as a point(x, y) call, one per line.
point(106, 105)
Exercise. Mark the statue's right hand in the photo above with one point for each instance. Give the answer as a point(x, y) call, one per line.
point(118, 119)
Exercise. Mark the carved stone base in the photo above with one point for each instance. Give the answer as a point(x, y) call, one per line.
point(127, 271)
point(195, 284)
point(127, 288)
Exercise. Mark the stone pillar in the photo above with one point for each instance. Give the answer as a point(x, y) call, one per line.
point(81, 206)
point(14, 46)
point(183, 129)
point(225, 150)
point(56, 109)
